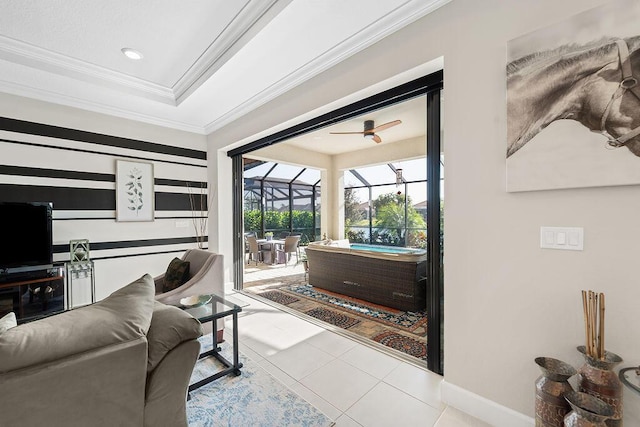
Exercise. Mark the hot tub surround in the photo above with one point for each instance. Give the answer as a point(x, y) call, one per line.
point(394, 279)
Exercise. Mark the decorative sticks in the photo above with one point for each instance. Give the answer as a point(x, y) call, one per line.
point(593, 307)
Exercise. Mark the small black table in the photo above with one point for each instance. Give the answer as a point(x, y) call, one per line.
point(217, 308)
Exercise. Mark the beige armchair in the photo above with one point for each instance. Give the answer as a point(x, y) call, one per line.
point(206, 276)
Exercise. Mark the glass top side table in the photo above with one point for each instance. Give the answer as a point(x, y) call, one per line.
point(209, 308)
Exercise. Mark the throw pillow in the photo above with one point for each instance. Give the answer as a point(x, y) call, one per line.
point(8, 321)
point(176, 275)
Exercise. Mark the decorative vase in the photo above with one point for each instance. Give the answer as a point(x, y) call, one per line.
point(586, 411)
point(551, 406)
point(597, 378)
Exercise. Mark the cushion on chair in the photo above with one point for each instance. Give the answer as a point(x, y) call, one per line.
point(8, 321)
point(176, 275)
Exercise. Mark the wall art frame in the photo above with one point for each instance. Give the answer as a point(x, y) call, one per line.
point(572, 110)
point(135, 197)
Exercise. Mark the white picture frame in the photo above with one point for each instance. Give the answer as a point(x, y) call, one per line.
point(134, 191)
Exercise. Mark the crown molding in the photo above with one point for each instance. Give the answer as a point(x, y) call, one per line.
point(32, 56)
point(399, 18)
point(216, 55)
point(81, 103)
point(251, 19)
point(235, 35)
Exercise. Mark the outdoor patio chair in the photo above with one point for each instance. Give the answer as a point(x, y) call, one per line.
point(290, 246)
point(253, 249)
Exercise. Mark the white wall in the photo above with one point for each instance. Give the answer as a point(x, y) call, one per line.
point(506, 300)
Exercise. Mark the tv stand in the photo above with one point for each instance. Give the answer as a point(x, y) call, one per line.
point(41, 299)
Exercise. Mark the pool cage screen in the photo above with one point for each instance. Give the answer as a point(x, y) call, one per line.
point(281, 199)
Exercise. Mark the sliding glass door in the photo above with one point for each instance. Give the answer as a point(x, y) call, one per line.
point(429, 86)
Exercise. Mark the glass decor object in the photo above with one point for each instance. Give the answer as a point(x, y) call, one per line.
point(551, 406)
point(79, 250)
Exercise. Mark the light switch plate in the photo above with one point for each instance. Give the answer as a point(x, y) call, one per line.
point(566, 238)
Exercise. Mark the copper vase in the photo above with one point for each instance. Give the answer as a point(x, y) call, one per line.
point(551, 406)
point(586, 411)
point(597, 378)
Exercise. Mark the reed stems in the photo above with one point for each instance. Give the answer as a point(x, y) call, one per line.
point(593, 307)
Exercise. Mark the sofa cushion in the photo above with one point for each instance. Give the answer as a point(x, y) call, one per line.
point(123, 316)
point(170, 326)
point(8, 321)
point(176, 275)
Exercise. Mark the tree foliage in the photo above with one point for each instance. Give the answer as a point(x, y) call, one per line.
point(393, 221)
point(351, 202)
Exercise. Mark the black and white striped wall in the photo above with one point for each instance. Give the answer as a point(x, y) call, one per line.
point(75, 169)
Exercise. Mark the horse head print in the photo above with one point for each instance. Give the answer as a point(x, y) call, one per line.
point(597, 85)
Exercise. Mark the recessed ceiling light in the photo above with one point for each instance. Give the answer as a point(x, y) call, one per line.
point(131, 53)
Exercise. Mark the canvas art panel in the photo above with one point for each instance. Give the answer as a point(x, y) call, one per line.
point(134, 191)
point(565, 105)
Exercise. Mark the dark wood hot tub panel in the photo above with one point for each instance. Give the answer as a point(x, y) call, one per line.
point(396, 284)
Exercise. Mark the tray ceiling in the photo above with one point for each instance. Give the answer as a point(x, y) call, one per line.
point(205, 62)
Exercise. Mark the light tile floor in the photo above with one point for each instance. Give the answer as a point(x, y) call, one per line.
point(352, 383)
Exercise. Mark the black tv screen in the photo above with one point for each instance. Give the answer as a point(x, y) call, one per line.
point(25, 235)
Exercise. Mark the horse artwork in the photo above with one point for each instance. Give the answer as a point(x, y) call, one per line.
point(573, 108)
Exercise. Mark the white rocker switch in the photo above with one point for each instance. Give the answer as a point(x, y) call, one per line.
point(566, 238)
point(561, 238)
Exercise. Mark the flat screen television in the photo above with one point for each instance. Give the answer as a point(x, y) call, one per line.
point(26, 241)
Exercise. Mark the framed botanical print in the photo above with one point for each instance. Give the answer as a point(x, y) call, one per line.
point(134, 191)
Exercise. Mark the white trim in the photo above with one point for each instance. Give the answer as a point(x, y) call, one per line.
point(213, 58)
point(22, 53)
point(482, 408)
point(46, 60)
point(60, 98)
point(251, 19)
point(402, 16)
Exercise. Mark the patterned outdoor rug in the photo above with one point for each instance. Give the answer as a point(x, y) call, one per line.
point(333, 317)
point(403, 343)
point(415, 322)
point(279, 297)
point(254, 398)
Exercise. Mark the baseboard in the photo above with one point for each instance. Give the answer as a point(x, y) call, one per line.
point(482, 408)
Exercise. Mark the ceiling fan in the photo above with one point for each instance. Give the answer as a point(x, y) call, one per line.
point(370, 130)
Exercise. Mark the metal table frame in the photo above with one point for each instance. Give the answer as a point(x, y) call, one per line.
point(230, 368)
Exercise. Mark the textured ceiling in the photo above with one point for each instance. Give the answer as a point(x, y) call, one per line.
point(206, 62)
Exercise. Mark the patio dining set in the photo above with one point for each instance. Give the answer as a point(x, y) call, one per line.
point(272, 251)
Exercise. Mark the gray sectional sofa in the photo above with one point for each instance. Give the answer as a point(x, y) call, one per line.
point(124, 361)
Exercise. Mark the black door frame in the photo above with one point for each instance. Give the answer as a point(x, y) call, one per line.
point(429, 85)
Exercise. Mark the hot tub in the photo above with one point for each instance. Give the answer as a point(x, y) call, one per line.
point(385, 275)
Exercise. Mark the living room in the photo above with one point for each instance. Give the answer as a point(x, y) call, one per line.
point(507, 300)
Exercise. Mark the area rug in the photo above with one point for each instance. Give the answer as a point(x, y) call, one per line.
point(333, 317)
point(254, 398)
point(279, 297)
point(409, 321)
point(403, 343)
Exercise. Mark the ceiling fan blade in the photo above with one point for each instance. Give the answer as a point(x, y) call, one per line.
point(377, 139)
point(386, 126)
point(346, 133)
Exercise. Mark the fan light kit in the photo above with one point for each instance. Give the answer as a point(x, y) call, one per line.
point(131, 53)
point(398, 177)
point(370, 130)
